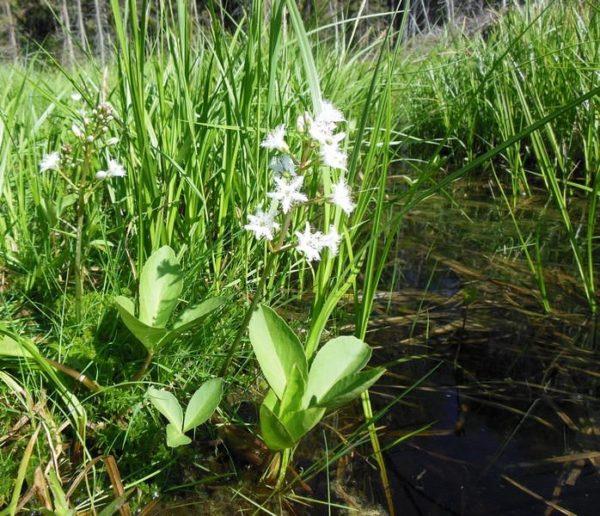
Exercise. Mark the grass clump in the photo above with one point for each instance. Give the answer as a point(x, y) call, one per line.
point(209, 165)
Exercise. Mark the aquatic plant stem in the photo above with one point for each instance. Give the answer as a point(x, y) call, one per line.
point(286, 455)
point(385, 481)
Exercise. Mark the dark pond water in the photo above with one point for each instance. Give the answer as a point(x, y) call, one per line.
point(510, 399)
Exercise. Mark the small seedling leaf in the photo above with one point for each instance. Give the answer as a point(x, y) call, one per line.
point(276, 347)
point(203, 403)
point(166, 403)
point(160, 285)
point(294, 391)
point(176, 437)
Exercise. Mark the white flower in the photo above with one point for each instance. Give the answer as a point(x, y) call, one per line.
point(321, 132)
point(263, 224)
point(331, 240)
point(329, 114)
point(333, 157)
point(288, 192)
point(76, 97)
point(50, 162)
point(282, 164)
point(341, 196)
point(77, 131)
point(114, 169)
point(275, 140)
point(309, 243)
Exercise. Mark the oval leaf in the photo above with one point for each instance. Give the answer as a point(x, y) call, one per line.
point(167, 405)
point(274, 434)
point(338, 358)
point(160, 286)
point(294, 391)
point(175, 437)
point(350, 387)
point(203, 403)
point(276, 347)
point(195, 314)
point(150, 337)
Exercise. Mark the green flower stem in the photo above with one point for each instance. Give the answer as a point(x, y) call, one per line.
point(259, 292)
point(79, 234)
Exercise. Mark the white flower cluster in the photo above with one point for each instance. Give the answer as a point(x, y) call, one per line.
point(321, 145)
point(91, 129)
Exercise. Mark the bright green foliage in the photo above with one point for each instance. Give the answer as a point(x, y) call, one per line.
point(202, 405)
point(300, 396)
point(160, 286)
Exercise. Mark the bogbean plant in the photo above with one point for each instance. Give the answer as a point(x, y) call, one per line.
point(300, 394)
point(303, 387)
point(83, 161)
point(160, 285)
point(201, 406)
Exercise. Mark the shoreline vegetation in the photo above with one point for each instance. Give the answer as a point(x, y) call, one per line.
point(207, 229)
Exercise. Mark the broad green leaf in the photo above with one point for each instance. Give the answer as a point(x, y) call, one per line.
point(195, 314)
point(274, 434)
point(272, 402)
point(203, 403)
point(147, 335)
point(293, 393)
point(276, 347)
point(11, 348)
point(166, 403)
point(176, 437)
point(338, 358)
point(160, 286)
point(350, 387)
point(300, 422)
